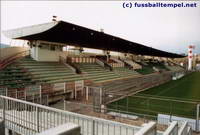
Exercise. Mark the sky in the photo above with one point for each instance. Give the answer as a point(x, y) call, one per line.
point(168, 29)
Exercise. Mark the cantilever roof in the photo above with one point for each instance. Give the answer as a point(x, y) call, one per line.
point(67, 33)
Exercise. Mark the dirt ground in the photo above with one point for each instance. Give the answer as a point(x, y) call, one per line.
point(87, 109)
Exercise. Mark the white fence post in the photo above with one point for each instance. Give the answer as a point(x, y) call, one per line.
point(6, 91)
point(82, 87)
point(4, 111)
point(64, 104)
point(40, 94)
point(47, 100)
point(37, 120)
point(101, 101)
point(183, 130)
point(148, 129)
point(25, 94)
point(87, 88)
point(16, 94)
point(197, 119)
point(33, 98)
point(79, 85)
point(172, 129)
point(65, 87)
point(93, 127)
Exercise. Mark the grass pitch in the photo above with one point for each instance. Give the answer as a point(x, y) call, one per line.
point(178, 98)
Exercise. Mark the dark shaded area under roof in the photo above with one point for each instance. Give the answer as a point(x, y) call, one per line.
point(75, 35)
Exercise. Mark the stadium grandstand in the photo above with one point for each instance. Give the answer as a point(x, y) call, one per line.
point(55, 85)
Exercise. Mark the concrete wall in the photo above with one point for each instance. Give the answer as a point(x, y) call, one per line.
point(48, 55)
point(46, 51)
point(65, 129)
point(45, 54)
point(33, 53)
point(2, 128)
point(8, 52)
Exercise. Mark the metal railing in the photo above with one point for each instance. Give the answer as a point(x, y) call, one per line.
point(104, 64)
point(172, 129)
point(124, 114)
point(29, 118)
point(100, 63)
point(178, 129)
point(64, 61)
point(169, 112)
point(27, 95)
point(148, 129)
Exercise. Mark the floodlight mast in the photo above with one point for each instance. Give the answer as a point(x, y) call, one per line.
point(190, 56)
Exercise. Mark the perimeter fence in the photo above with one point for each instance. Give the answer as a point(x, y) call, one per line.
point(156, 107)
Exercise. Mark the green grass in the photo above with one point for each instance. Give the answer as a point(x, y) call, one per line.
point(185, 88)
point(178, 98)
